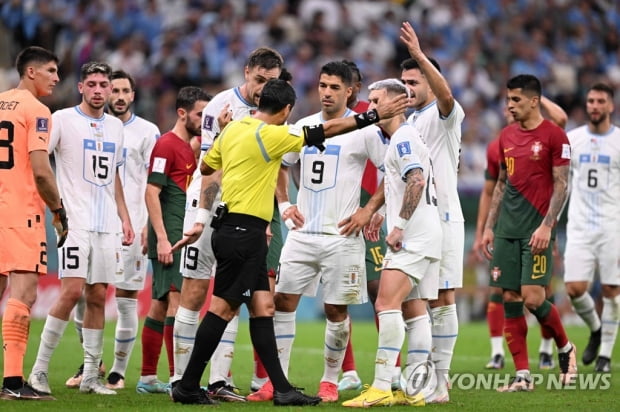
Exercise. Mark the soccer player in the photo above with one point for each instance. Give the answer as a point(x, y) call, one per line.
point(239, 240)
point(316, 251)
point(262, 65)
point(414, 243)
point(88, 147)
point(438, 117)
point(375, 249)
point(28, 184)
point(592, 239)
point(140, 137)
point(171, 166)
point(495, 307)
point(520, 228)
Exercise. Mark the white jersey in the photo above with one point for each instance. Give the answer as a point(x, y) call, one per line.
point(210, 128)
point(442, 135)
point(594, 205)
point(406, 151)
point(330, 181)
point(140, 137)
point(87, 152)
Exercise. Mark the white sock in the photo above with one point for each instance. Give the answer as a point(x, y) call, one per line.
point(584, 307)
point(336, 339)
point(546, 346)
point(78, 316)
point(610, 318)
point(183, 338)
point(419, 339)
point(445, 332)
point(125, 333)
point(223, 355)
point(391, 338)
point(284, 325)
point(53, 330)
point(93, 349)
point(497, 345)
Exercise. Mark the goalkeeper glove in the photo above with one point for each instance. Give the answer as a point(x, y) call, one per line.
point(61, 224)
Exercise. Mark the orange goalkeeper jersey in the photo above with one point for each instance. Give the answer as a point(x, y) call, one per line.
point(25, 125)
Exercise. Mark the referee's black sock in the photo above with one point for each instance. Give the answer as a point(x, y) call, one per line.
point(264, 341)
point(208, 337)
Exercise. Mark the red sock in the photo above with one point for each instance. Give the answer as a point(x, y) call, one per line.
point(259, 368)
point(495, 318)
point(348, 363)
point(168, 332)
point(515, 332)
point(152, 338)
point(553, 328)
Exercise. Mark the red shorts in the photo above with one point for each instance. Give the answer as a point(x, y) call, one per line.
point(23, 249)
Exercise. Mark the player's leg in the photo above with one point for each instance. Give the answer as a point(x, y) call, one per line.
point(445, 327)
point(610, 315)
point(22, 260)
point(153, 333)
point(128, 283)
point(495, 321)
point(536, 273)
point(103, 265)
point(394, 287)
point(171, 311)
point(73, 258)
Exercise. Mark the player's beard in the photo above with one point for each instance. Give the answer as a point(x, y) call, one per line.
point(118, 113)
point(191, 130)
point(597, 120)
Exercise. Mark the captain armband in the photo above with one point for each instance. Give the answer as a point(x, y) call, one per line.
point(367, 118)
point(315, 136)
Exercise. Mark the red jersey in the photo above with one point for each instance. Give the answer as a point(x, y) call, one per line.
point(493, 159)
point(528, 156)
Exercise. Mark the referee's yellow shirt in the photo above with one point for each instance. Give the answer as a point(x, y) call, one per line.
point(249, 152)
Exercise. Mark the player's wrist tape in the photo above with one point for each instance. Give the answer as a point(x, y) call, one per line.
point(283, 206)
point(400, 223)
point(202, 216)
point(366, 118)
point(381, 210)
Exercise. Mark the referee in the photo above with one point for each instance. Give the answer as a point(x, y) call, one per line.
point(249, 152)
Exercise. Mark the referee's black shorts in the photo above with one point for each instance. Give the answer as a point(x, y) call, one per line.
point(240, 248)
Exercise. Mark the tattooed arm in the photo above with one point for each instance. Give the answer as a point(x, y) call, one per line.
point(413, 192)
point(488, 237)
point(209, 188)
point(539, 241)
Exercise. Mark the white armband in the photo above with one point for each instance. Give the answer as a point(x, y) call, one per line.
point(283, 206)
point(202, 216)
point(400, 223)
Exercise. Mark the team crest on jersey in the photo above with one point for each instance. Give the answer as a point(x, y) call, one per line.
point(536, 149)
point(42, 124)
point(496, 273)
point(403, 149)
point(207, 123)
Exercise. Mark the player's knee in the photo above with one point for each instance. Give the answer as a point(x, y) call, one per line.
point(575, 289)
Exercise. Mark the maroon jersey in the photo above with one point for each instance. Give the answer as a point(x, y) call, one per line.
point(528, 156)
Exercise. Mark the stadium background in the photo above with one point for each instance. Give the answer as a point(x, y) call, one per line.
point(167, 44)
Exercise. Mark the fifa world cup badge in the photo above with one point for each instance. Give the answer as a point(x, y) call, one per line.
point(496, 273)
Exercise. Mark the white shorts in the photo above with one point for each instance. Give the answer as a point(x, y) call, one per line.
point(197, 259)
point(452, 249)
point(585, 254)
point(423, 272)
point(89, 255)
point(337, 262)
point(131, 271)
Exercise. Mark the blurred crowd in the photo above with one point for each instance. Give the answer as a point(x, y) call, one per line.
point(167, 44)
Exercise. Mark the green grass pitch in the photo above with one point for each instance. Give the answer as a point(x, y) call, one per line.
point(468, 392)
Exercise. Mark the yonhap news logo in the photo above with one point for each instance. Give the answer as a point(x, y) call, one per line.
point(492, 381)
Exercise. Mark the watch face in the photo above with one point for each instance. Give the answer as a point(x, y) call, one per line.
point(372, 115)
